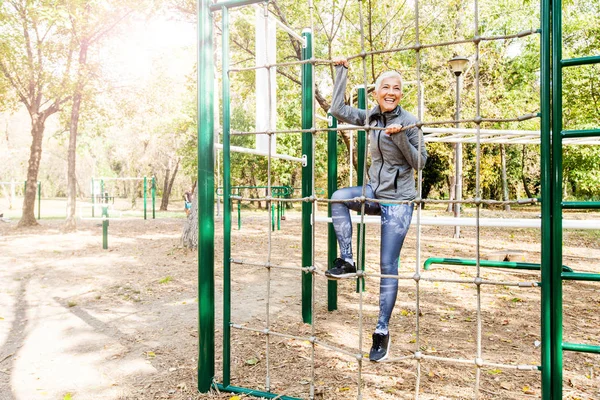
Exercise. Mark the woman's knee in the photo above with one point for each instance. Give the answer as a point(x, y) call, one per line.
point(340, 194)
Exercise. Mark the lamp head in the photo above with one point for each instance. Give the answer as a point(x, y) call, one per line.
point(458, 65)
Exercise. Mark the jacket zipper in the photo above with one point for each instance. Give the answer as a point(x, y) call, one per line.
point(381, 155)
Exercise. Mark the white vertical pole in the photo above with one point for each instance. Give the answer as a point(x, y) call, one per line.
point(265, 54)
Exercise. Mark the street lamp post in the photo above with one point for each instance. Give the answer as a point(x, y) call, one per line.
point(458, 66)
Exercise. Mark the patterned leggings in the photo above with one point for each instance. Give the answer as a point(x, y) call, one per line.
point(395, 221)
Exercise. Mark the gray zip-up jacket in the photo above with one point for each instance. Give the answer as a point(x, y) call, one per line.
point(393, 157)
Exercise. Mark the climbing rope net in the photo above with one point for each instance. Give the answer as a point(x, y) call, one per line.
point(477, 279)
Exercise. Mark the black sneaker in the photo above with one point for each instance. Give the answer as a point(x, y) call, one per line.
point(341, 269)
point(381, 347)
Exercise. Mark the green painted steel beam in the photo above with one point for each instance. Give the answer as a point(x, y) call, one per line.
point(545, 199)
point(486, 263)
point(580, 205)
point(580, 133)
point(206, 203)
point(307, 177)
point(226, 198)
point(556, 205)
point(360, 181)
point(573, 62)
point(580, 347)
point(332, 175)
point(232, 4)
point(580, 276)
point(252, 392)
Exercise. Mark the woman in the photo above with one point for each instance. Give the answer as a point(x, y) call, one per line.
point(395, 154)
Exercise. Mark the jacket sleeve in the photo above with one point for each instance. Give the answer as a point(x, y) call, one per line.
point(339, 109)
point(408, 143)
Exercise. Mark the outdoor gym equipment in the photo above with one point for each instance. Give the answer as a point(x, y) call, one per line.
point(552, 271)
point(100, 196)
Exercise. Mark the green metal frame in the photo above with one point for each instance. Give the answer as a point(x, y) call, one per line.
point(206, 196)
point(206, 203)
point(145, 195)
point(360, 181)
point(552, 270)
point(553, 204)
point(332, 174)
point(307, 176)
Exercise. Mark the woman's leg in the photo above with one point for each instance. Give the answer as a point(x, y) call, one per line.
point(395, 221)
point(340, 214)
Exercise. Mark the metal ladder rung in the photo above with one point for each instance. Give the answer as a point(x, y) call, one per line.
point(583, 348)
point(572, 62)
point(580, 276)
point(581, 205)
point(580, 133)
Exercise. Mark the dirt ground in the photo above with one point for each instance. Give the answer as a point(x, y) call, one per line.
point(80, 322)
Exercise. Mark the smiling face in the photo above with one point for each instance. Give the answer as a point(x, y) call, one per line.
point(389, 93)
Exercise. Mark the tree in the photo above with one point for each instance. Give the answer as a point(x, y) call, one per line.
point(85, 33)
point(36, 59)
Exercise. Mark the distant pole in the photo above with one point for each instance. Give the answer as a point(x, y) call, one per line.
point(145, 189)
point(153, 189)
point(458, 66)
point(105, 227)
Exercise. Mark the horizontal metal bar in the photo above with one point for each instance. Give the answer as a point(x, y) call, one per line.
point(236, 149)
point(580, 205)
point(572, 62)
point(583, 348)
point(580, 133)
point(580, 276)
point(591, 224)
point(232, 4)
point(486, 263)
point(252, 392)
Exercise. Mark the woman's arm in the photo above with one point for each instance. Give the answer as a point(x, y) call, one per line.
point(408, 143)
point(339, 109)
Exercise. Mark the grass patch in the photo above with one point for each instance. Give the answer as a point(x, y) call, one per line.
point(166, 279)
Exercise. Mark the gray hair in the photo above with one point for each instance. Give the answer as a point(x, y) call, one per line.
point(387, 74)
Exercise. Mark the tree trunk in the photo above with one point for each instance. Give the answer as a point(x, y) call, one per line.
point(164, 202)
point(168, 186)
point(504, 178)
point(523, 179)
point(189, 238)
point(70, 222)
point(167, 195)
point(35, 156)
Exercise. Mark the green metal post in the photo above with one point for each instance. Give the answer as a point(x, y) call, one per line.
point(93, 197)
point(226, 201)
point(206, 201)
point(145, 190)
point(272, 217)
point(546, 192)
point(278, 215)
point(307, 176)
point(360, 180)
point(556, 203)
point(153, 189)
point(39, 193)
point(239, 210)
point(105, 227)
point(332, 173)
point(104, 200)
